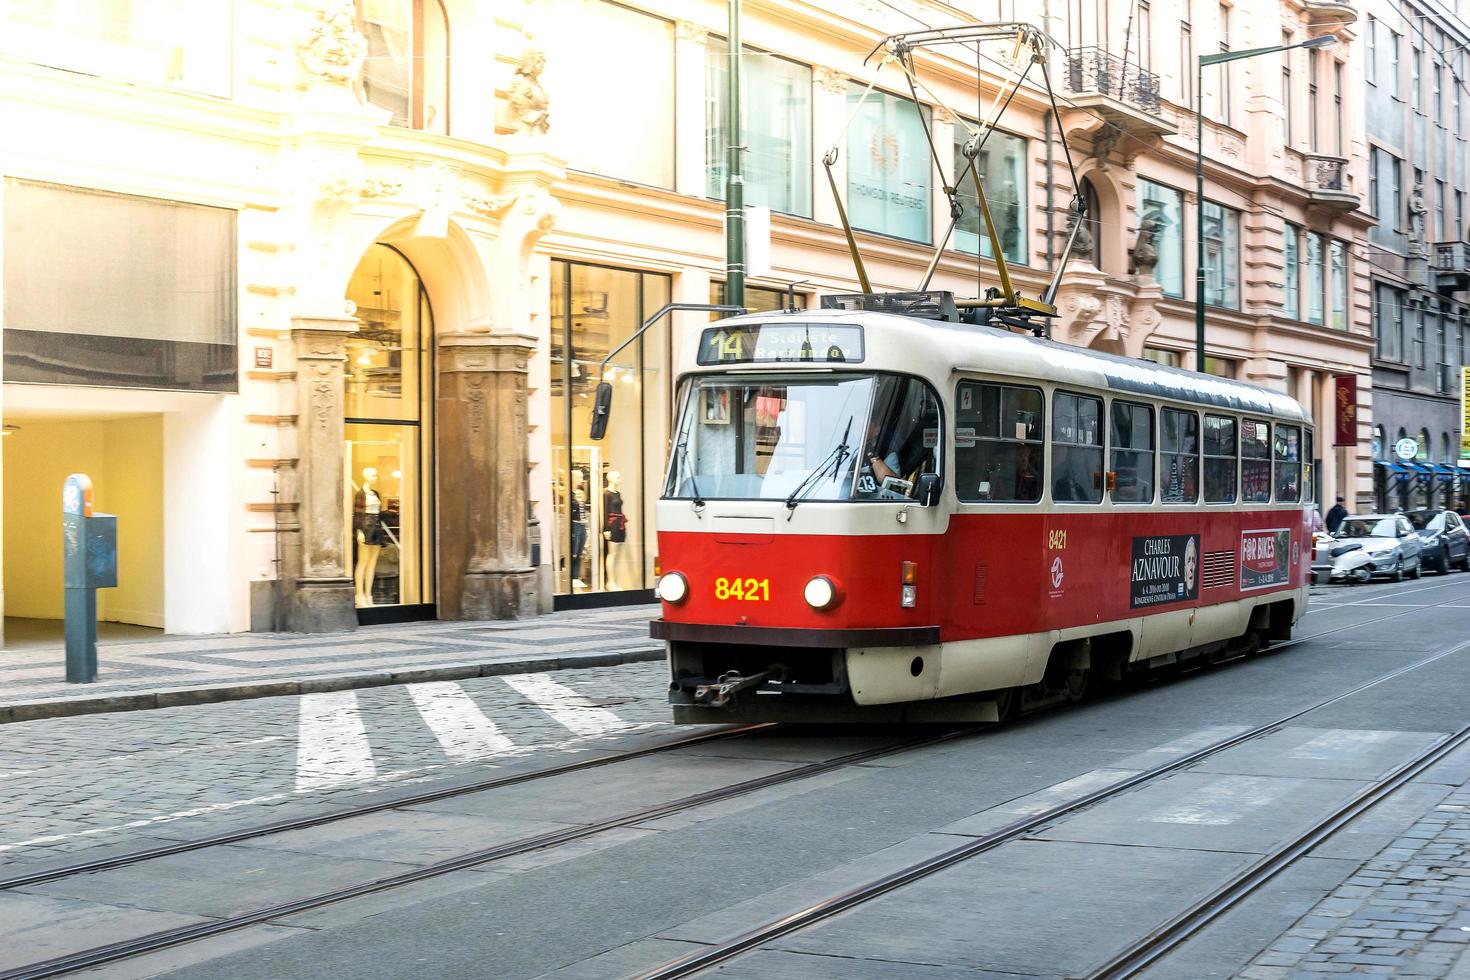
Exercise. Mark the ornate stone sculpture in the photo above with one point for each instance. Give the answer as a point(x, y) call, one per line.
point(334, 50)
point(1145, 252)
point(1082, 244)
point(527, 100)
point(1417, 212)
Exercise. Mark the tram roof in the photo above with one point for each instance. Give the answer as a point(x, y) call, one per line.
point(964, 347)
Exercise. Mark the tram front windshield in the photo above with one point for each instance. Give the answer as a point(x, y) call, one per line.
point(804, 437)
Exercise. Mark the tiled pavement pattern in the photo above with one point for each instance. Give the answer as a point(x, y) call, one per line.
point(68, 784)
point(164, 663)
point(1405, 913)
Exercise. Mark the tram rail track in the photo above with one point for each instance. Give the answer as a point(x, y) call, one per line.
point(153, 942)
point(1159, 941)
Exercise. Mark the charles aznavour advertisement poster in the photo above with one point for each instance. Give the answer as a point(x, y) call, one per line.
point(1165, 569)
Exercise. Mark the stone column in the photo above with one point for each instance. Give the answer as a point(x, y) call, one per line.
point(484, 543)
point(319, 594)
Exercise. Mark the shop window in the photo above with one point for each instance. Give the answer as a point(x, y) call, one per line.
point(999, 430)
point(759, 299)
point(118, 291)
point(1168, 358)
point(1076, 448)
point(777, 120)
point(1179, 445)
point(1287, 454)
point(387, 387)
point(1255, 461)
point(1133, 453)
point(1221, 232)
point(176, 43)
point(1002, 167)
point(1165, 205)
point(889, 171)
point(406, 70)
point(604, 491)
point(1220, 459)
point(1222, 367)
point(631, 57)
point(1291, 300)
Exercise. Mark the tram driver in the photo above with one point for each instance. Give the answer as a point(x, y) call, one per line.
point(900, 442)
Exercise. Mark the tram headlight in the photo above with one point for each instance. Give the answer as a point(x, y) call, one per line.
point(673, 588)
point(821, 593)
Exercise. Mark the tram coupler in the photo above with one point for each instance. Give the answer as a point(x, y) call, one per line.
point(731, 683)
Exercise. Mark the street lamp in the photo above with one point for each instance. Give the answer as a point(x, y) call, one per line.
point(1324, 41)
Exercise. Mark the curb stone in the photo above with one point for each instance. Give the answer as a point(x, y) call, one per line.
point(42, 708)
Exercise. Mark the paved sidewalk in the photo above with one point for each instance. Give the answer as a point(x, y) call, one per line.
point(177, 670)
point(1405, 913)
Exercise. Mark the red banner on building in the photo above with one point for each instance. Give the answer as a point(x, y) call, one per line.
point(1345, 409)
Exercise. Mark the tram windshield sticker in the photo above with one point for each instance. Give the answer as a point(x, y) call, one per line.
point(760, 343)
point(1264, 558)
point(1165, 569)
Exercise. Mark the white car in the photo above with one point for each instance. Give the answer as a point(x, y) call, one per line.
point(1374, 544)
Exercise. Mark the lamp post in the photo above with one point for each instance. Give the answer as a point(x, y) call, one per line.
point(1324, 41)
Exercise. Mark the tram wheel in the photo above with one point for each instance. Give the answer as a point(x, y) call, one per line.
point(1077, 684)
point(1007, 704)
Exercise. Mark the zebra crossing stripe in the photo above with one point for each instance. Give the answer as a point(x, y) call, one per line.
point(565, 706)
point(332, 747)
point(457, 722)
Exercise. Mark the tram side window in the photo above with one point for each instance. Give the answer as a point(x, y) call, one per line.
point(1220, 459)
point(1255, 461)
point(1288, 454)
point(998, 443)
point(1309, 488)
point(1179, 443)
point(1133, 453)
point(1076, 448)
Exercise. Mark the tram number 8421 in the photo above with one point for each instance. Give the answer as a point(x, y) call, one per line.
point(743, 589)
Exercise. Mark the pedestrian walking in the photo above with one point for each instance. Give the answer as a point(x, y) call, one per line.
point(1336, 516)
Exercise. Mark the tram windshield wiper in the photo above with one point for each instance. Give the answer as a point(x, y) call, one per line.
point(682, 451)
point(839, 454)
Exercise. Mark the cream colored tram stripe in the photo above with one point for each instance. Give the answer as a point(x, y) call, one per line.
point(457, 722)
point(565, 706)
point(332, 747)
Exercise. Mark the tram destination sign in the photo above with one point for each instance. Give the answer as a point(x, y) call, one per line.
point(761, 343)
point(1165, 569)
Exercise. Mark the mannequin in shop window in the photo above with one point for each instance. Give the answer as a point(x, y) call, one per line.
point(577, 509)
point(614, 528)
point(367, 526)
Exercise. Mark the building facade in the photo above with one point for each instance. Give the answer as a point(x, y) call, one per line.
point(1415, 99)
point(319, 292)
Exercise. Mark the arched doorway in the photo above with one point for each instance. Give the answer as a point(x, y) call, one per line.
point(388, 467)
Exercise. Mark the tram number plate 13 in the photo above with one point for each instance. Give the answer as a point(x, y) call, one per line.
point(743, 589)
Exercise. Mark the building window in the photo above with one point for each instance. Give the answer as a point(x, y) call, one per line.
point(636, 142)
point(407, 66)
point(1076, 448)
point(1438, 100)
point(603, 492)
point(1255, 461)
point(1166, 204)
point(1286, 89)
point(1186, 62)
point(1179, 446)
point(118, 291)
point(388, 386)
point(1395, 192)
point(1222, 255)
point(1388, 322)
point(176, 43)
point(998, 443)
point(1337, 255)
point(1375, 157)
point(758, 299)
point(1132, 453)
point(1442, 204)
point(1316, 280)
point(1457, 233)
point(1145, 35)
point(1416, 73)
point(1416, 320)
point(777, 117)
point(1393, 63)
point(1219, 459)
point(889, 177)
point(1372, 66)
point(1223, 95)
point(1222, 367)
point(1168, 358)
point(1313, 133)
point(1337, 106)
point(1291, 267)
point(1002, 167)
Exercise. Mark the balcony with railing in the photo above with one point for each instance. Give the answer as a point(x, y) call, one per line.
point(1330, 13)
point(1452, 265)
point(1121, 91)
point(1327, 182)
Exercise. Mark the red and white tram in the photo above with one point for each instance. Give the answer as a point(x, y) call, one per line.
point(871, 516)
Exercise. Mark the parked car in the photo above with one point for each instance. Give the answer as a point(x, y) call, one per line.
point(1375, 544)
point(1445, 539)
